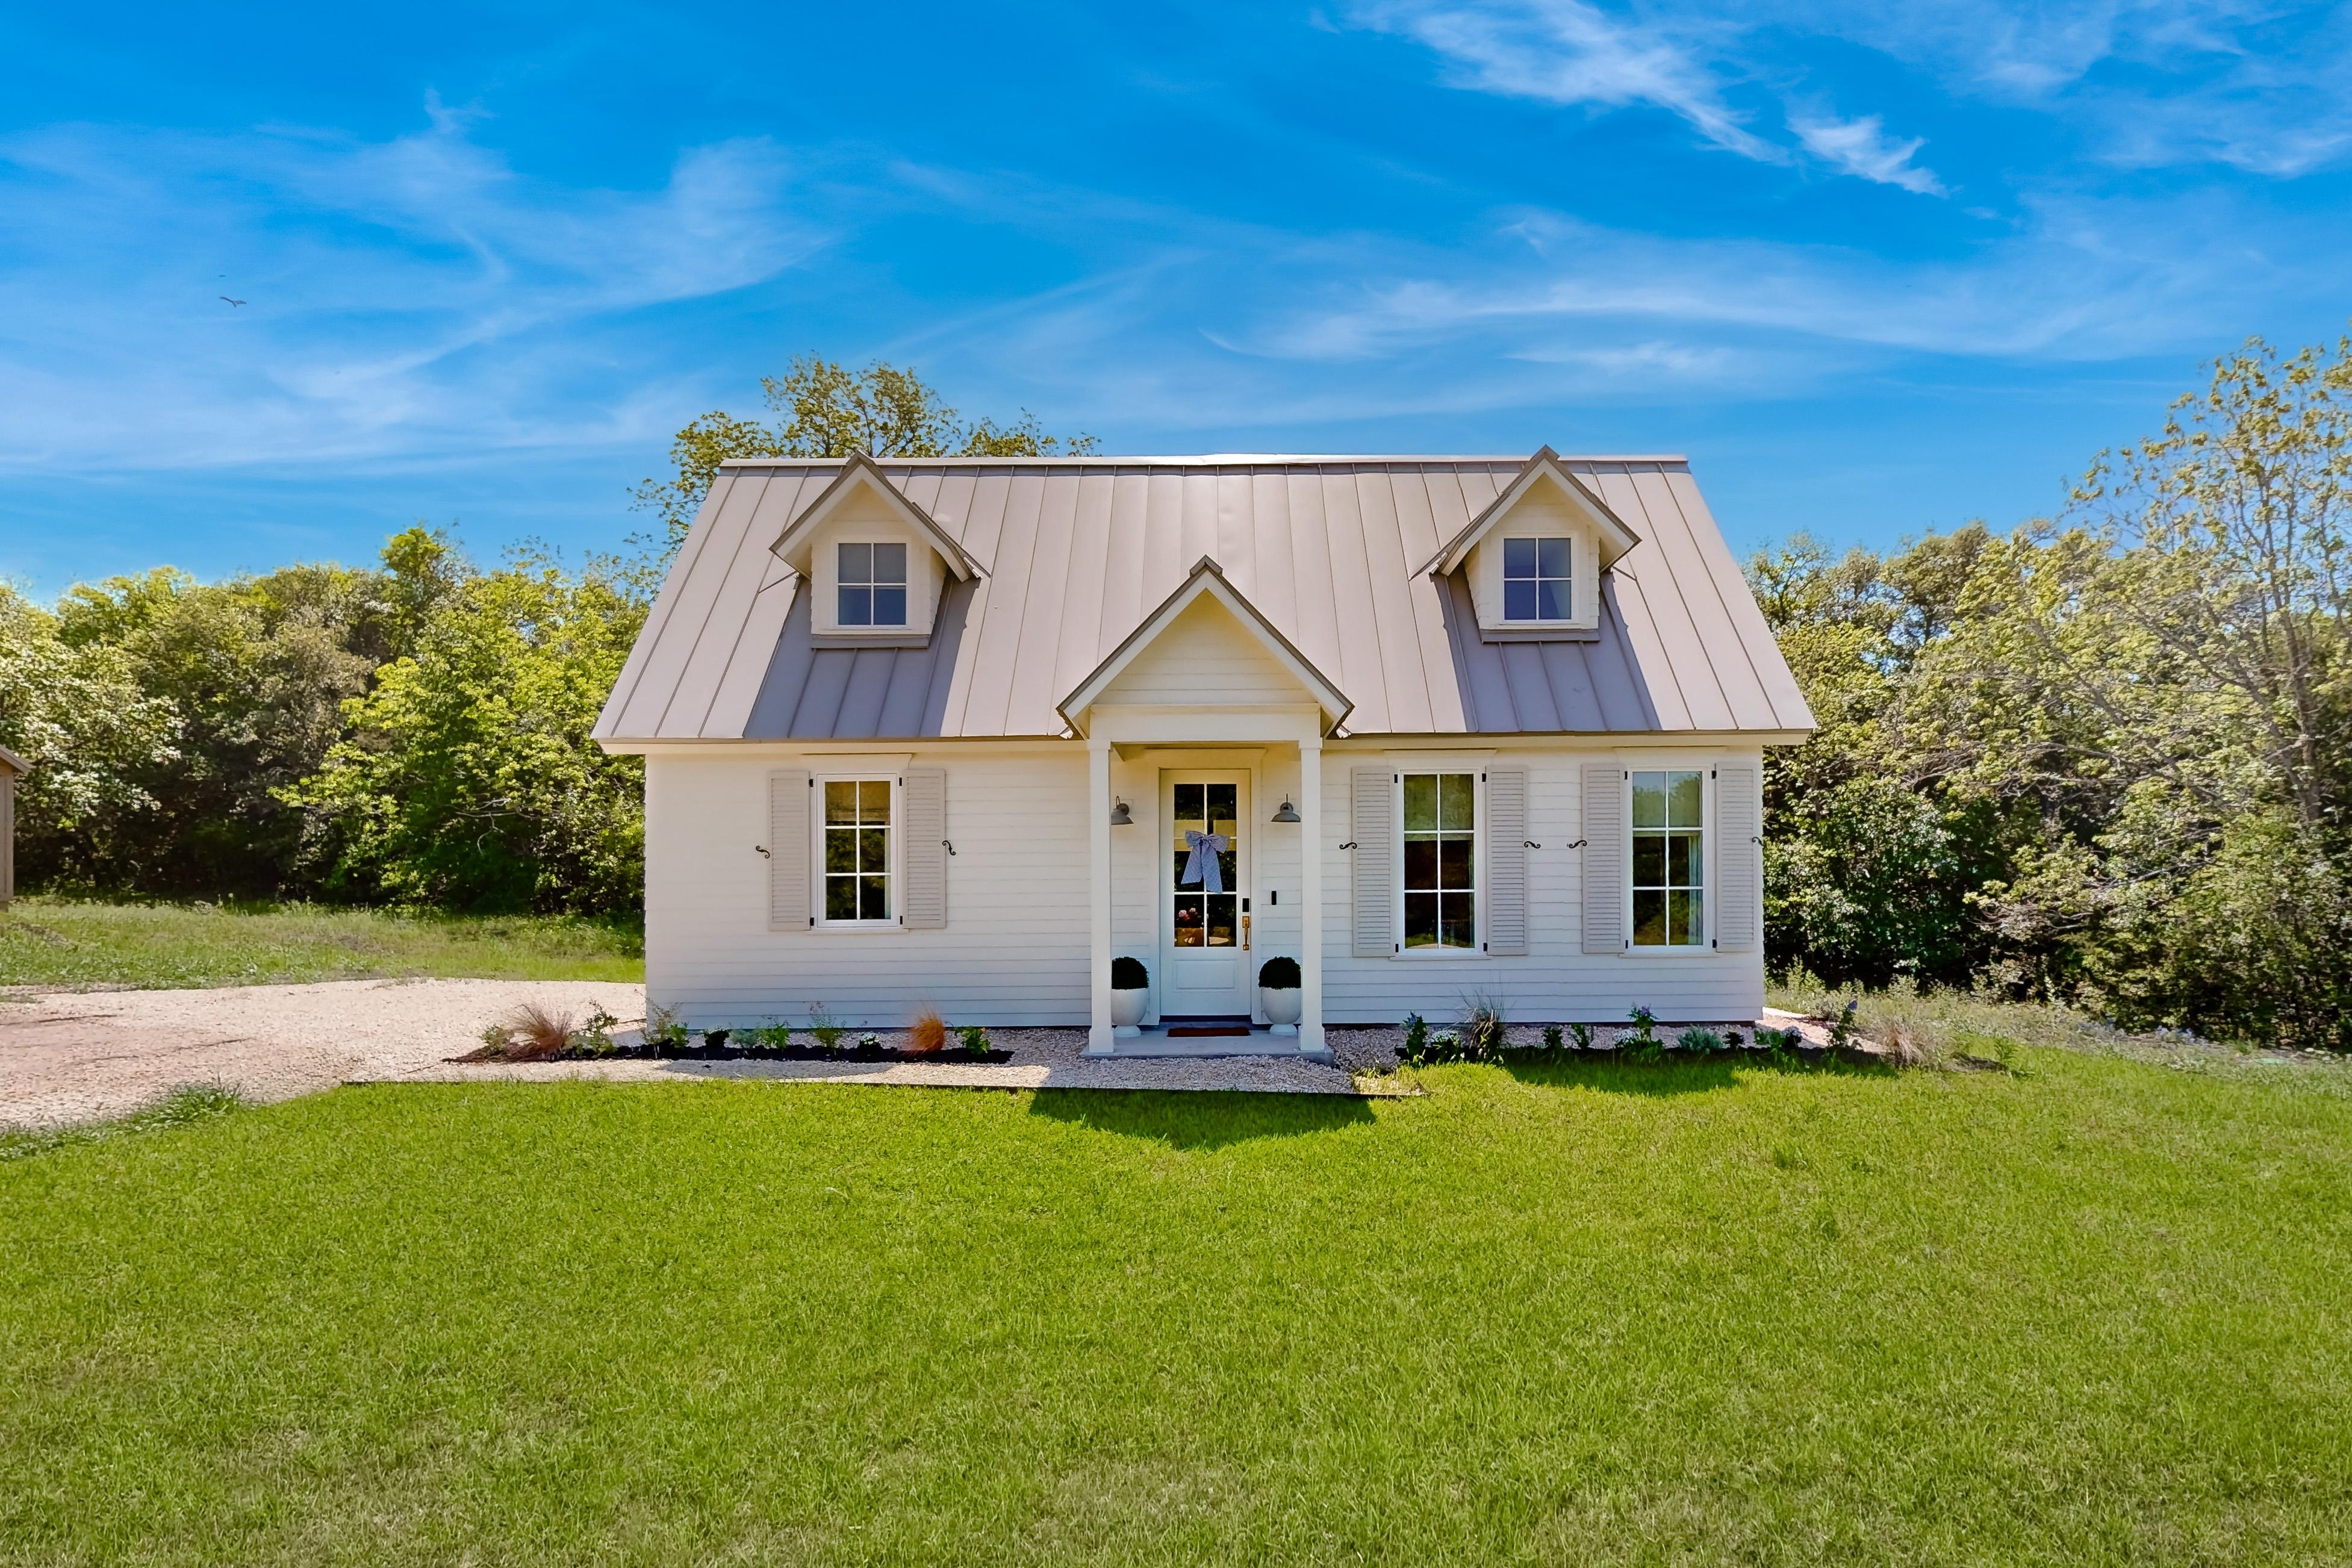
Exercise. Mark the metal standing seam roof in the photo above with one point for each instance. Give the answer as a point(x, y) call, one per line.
point(1075, 553)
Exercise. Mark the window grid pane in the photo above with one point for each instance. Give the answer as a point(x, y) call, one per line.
point(1536, 580)
point(1669, 859)
point(1439, 865)
point(856, 849)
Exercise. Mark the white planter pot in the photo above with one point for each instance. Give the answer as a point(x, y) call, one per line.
point(1281, 1006)
point(1127, 1008)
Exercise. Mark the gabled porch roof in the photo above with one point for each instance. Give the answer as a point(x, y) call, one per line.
point(1207, 580)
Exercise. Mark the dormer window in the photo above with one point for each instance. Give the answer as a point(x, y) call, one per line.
point(872, 585)
point(1536, 580)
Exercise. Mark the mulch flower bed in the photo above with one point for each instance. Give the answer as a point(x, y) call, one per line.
point(716, 1047)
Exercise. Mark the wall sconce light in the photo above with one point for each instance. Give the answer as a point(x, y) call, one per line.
point(1120, 816)
point(1288, 813)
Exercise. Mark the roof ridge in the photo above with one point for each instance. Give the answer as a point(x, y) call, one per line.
point(1215, 460)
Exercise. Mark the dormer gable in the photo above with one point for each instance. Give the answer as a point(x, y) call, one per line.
point(1534, 558)
point(872, 564)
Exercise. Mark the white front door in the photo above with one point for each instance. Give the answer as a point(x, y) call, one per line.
point(1204, 961)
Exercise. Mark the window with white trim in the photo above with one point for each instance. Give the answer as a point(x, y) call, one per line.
point(1669, 882)
point(1438, 813)
point(856, 853)
point(1536, 580)
point(871, 586)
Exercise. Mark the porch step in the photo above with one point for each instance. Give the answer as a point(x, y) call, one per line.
point(1161, 1043)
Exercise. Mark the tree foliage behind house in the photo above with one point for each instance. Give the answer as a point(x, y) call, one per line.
point(2107, 757)
point(820, 408)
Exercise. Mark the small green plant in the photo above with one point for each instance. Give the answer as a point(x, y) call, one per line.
point(1643, 1045)
point(774, 1038)
point(1416, 1039)
point(1733, 1037)
point(493, 1036)
point(1582, 1035)
point(869, 1042)
point(1553, 1039)
point(594, 1037)
point(1699, 1042)
point(828, 1033)
point(975, 1038)
point(1842, 1027)
point(1780, 1045)
point(663, 1029)
point(1279, 974)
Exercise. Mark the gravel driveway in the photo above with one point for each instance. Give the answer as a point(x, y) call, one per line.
point(78, 1056)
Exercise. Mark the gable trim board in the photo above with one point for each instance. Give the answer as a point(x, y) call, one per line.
point(1207, 580)
point(1616, 538)
point(860, 471)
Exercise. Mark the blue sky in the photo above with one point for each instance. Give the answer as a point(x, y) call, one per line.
point(1877, 267)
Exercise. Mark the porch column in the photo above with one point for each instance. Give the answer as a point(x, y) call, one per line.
point(1099, 883)
point(1310, 876)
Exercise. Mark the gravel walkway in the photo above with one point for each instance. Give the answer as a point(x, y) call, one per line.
point(80, 1056)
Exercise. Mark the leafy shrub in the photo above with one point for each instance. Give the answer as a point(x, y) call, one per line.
point(975, 1038)
point(1553, 1039)
point(869, 1042)
point(930, 1033)
point(771, 1037)
point(1842, 1027)
point(1129, 974)
point(1699, 1041)
point(1416, 1039)
point(828, 1033)
point(1279, 974)
point(594, 1037)
point(1643, 1043)
point(663, 1029)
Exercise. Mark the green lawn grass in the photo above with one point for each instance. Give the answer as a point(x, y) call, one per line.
point(47, 941)
point(2096, 1313)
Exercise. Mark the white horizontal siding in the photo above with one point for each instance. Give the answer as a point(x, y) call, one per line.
point(1014, 951)
point(1014, 948)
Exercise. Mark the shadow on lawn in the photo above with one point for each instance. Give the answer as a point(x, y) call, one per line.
point(1199, 1120)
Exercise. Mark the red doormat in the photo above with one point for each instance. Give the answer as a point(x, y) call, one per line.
point(1205, 1031)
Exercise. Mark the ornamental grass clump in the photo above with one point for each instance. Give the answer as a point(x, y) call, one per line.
point(1481, 1029)
point(930, 1032)
point(530, 1033)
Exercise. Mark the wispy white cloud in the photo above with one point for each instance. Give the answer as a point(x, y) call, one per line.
point(405, 299)
point(1862, 147)
point(1570, 53)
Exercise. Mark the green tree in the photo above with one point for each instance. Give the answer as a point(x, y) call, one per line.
point(77, 714)
point(469, 779)
point(820, 408)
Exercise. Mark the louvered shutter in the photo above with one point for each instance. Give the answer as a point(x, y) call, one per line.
point(923, 899)
point(1507, 861)
point(1738, 858)
point(790, 897)
point(1605, 850)
point(1371, 826)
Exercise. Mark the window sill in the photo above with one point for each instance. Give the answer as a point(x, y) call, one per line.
point(1540, 631)
point(866, 927)
point(887, 636)
point(1441, 956)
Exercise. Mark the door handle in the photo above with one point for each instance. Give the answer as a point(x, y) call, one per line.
point(1246, 934)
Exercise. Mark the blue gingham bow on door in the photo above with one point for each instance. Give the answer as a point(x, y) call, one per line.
point(1204, 867)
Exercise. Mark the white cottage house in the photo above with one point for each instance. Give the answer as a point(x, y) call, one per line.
point(957, 733)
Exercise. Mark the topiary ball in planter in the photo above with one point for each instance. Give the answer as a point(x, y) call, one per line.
point(1131, 991)
point(1277, 993)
